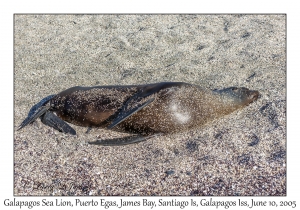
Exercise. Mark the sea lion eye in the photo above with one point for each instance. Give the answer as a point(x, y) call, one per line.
point(234, 89)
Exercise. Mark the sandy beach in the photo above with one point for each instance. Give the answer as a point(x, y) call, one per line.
point(243, 153)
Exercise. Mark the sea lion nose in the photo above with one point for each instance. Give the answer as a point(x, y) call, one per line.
point(253, 95)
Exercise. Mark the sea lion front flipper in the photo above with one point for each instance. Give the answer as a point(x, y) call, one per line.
point(55, 122)
point(122, 141)
point(124, 114)
point(136, 103)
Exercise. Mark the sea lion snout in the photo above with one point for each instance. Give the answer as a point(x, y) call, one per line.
point(240, 95)
point(248, 96)
point(253, 95)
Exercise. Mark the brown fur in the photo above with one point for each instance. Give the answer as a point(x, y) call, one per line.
point(176, 106)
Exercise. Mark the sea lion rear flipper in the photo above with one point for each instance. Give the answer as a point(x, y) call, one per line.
point(55, 122)
point(122, 141)
point(36, 111)
point(124, 114)
point(33, 116)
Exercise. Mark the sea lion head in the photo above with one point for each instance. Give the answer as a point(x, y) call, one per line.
point(240, 95)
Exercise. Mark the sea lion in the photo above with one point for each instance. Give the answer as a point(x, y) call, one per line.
point(146, 110)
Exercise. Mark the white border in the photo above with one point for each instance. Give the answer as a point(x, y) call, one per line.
point(154, 6)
